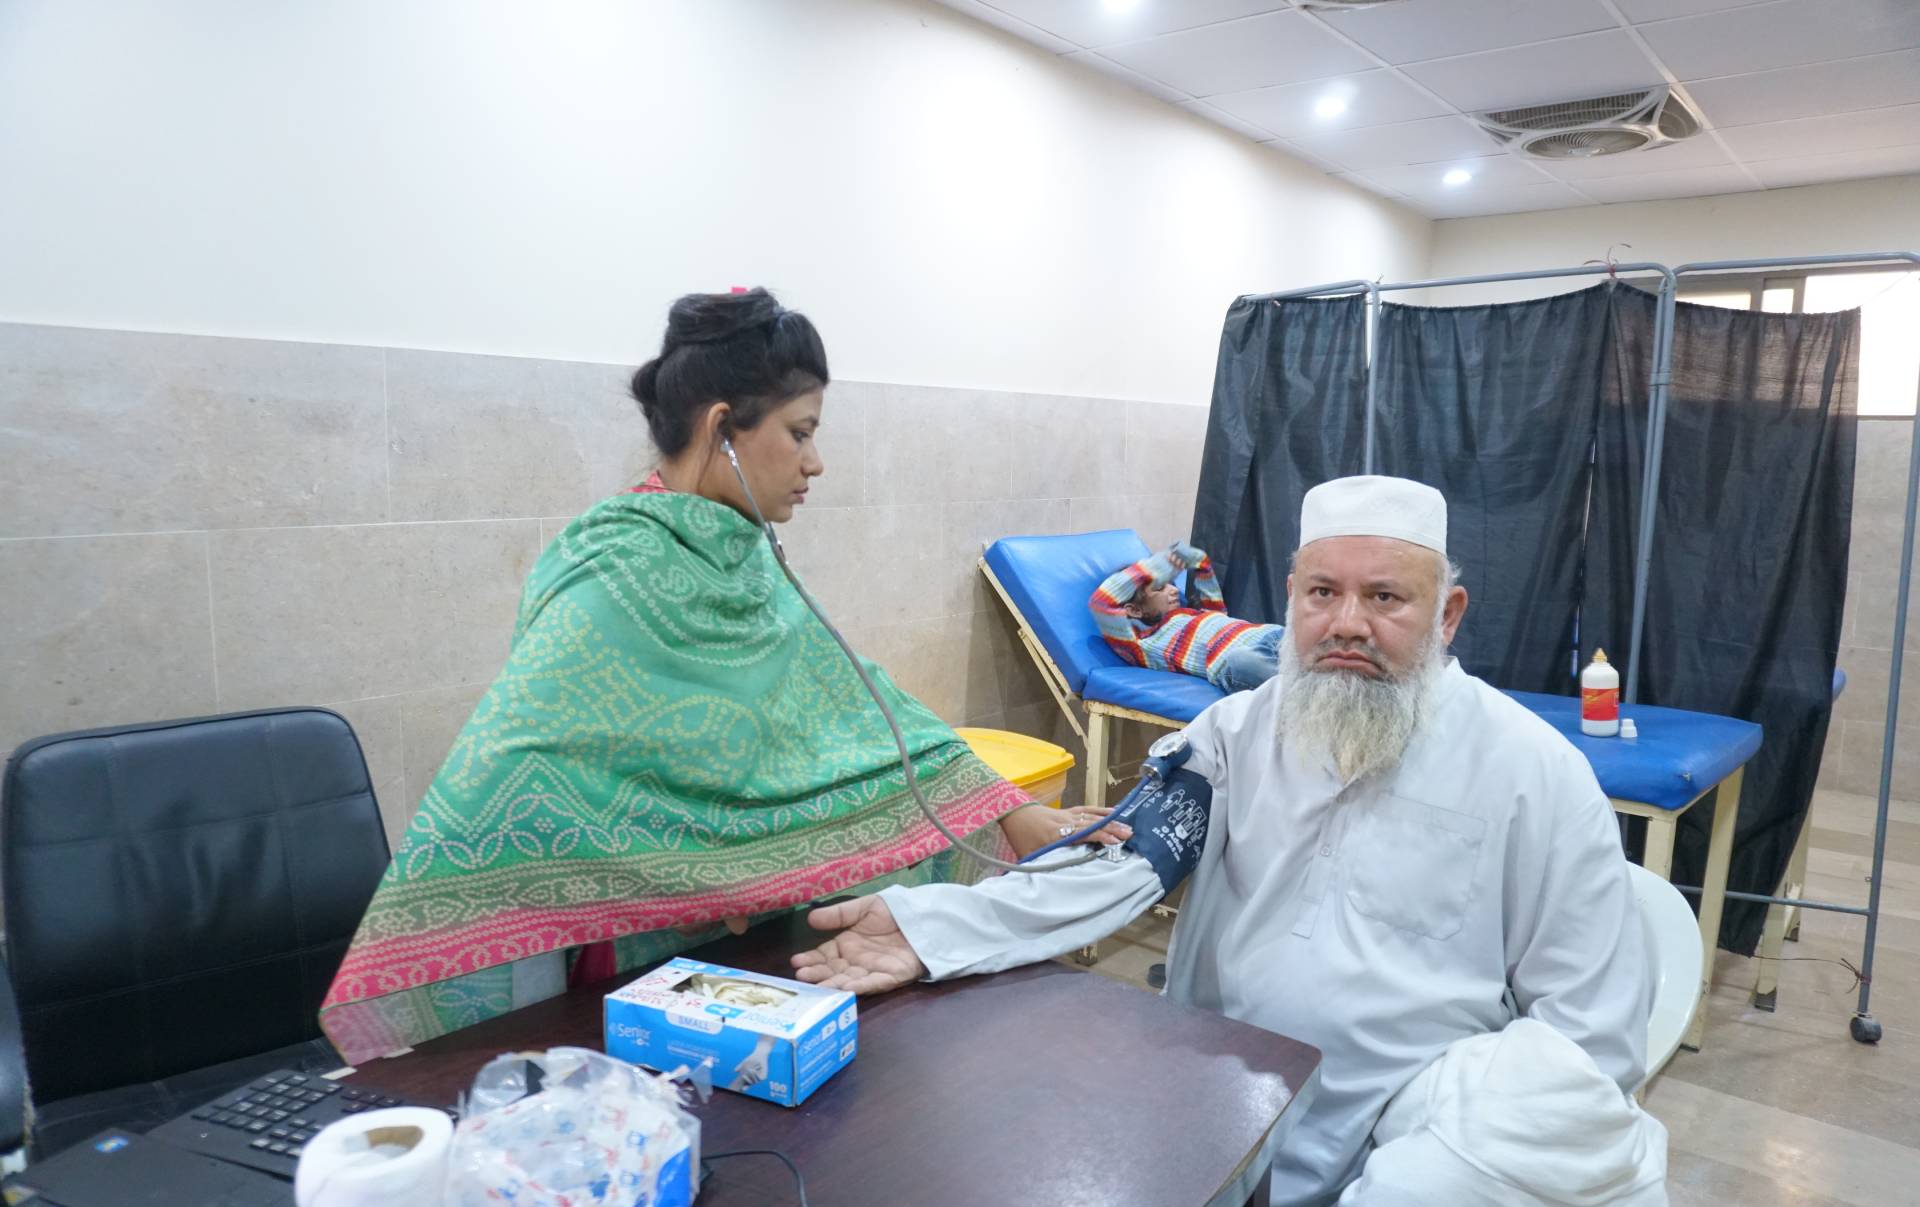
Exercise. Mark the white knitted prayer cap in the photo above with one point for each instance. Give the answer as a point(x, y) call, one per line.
point(1372, 505)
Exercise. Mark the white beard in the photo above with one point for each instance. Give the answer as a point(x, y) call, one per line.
point(1361, 723)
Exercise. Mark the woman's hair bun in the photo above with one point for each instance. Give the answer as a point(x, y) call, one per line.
point(707, 318)
point(744, 349)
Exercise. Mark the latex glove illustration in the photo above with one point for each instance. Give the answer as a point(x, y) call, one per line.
point(753, 1070)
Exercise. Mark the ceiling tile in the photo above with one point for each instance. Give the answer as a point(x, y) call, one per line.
point(1013, 25)
point(1652, 186)
point(1372, 98)
point(1700, 151)
point(1295, 151)
point(1433, 29)
point(1514, 199)
point(1228, 120)
point(1820, 88)
point(1491, 173)
point(1361, 182)
point(1572, 68)
point(1661, 10)
point(1786, 34)
point(1091, 23)
point(1849, 165)
point(1892, 127)
point(1106, 66)
point(1427, 141)
point(1278, 48)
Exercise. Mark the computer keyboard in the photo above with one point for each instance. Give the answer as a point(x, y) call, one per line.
point(266, 1124)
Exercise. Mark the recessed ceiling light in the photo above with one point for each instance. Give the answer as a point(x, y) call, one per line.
point(1456, 177)
point(1121, 6)
point(1330, 106)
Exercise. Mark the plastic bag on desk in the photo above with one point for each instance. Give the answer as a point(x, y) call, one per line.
point(571, 1127)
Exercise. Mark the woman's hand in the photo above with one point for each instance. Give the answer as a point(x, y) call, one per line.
point(1034, 826)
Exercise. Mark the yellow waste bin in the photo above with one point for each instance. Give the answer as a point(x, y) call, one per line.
point(1037, 768)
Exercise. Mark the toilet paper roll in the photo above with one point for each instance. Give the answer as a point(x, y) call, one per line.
point(391, 1158)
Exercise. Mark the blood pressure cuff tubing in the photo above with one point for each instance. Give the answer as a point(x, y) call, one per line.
point(1169, 820)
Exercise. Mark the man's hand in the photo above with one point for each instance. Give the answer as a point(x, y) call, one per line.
point(869, 955)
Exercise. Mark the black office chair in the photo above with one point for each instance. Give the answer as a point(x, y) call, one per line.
point(178, 897)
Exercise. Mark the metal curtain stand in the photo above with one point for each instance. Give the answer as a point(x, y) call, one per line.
point(1863, 1026)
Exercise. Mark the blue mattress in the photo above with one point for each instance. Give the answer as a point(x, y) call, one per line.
point(1050, 579)
point(1677, 756)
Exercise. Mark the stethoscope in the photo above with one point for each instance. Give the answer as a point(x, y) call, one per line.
point(899, 739)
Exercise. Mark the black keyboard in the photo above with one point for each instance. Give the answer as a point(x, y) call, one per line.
point(265, 1125)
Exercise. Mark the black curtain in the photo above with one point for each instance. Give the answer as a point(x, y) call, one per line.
point(1288, 396)
point(1749, 560)
point(1496, 407)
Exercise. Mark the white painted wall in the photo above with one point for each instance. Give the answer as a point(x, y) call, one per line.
point(953, 207)
point(1860, 215)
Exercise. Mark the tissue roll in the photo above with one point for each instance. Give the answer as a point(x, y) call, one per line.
point(390, 1158)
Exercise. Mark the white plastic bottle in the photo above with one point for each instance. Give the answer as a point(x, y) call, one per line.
point(1600, 698)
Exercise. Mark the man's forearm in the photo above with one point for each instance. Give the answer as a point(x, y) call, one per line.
point(1020, 917)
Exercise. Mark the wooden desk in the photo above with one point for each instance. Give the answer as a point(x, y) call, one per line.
point(1043, 1085)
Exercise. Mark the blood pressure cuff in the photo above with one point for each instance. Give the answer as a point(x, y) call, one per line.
point(1169, 820)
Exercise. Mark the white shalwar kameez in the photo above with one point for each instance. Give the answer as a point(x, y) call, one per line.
point(1480, 881)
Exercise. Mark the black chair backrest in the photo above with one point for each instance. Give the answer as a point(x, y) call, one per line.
point(180, 894)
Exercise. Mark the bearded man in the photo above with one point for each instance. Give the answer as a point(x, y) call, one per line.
point(1402, 866)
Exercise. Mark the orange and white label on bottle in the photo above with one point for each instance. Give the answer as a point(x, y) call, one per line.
point(1600, 704)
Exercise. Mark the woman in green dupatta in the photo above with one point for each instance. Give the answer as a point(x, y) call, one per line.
point(675, 741)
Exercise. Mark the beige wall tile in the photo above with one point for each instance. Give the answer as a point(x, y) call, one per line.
point(872, 566)
point(130, 432)
point(904, 573)
point(824, 546)
point(932, 445)
point(1880, 465)
point(1017, 679)
point(970, 527)
point(103, 631)
point(349, 613)
point(1164, 443)
point(618, 449)
point(1064, 447)
point(1860, 753)
point(481, 437)
point(430, 721)
point(842, 445)
point(930, 660)
point(1105, 511)
point(377, 724)
point(1159, 519)
point(1868, 673)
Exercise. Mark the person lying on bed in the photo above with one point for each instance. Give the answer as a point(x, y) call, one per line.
point(675, 742)
point(1141, 614)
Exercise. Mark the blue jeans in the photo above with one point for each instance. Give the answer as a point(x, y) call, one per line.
point(1250, 663)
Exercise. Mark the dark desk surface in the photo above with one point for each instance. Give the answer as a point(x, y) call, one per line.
point(1042, 1085)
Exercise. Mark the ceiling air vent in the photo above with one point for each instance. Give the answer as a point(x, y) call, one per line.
point(1601, 125)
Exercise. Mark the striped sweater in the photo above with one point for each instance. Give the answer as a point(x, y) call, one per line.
point(1189, 639)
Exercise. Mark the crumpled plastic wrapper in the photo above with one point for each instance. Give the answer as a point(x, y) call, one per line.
point(570, 1127)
